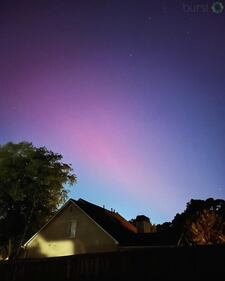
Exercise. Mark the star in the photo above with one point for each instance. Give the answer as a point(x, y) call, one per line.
point(187, 35)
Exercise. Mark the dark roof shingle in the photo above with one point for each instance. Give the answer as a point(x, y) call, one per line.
point(113, 223)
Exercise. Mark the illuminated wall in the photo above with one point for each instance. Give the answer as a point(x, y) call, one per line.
point(70, 232)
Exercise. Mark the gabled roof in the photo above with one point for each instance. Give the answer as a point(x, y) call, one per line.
point(122, 231)
point(112, 222)
point(50, 220)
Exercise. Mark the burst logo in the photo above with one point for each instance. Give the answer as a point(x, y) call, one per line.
point(217, 7)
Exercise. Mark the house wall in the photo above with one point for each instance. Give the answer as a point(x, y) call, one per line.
point(144, 227)
point(54, 239)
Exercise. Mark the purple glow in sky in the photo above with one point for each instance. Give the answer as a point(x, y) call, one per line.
point(131, 93)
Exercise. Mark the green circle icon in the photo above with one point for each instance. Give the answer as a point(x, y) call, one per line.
point(217, 7)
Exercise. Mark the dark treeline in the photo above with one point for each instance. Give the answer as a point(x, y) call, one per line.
point(201, 223)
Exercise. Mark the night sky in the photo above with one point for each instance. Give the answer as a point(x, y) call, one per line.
point(131, 93)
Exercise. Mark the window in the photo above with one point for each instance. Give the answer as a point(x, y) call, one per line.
point(72, 228)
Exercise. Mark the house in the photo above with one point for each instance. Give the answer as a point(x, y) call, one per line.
point(82, 227)
point(143, 224)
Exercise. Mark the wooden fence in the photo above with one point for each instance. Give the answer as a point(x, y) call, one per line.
point(195, 263)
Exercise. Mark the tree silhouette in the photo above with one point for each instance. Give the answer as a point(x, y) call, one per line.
point(207, 228)
point(31, 189)
point(203, 222)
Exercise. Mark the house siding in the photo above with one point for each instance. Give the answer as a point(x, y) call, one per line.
point(55, 240)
